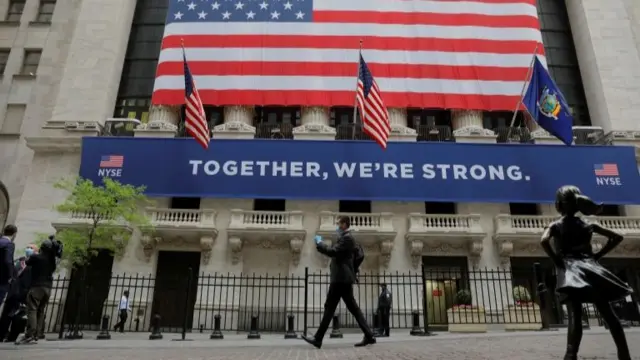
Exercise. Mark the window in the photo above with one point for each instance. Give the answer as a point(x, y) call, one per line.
point(4, 59)
point(185, 203)
point(141, 59)
point(13, 119)
point(354, 206)
point(133, 109)
point(45, 11)
point(213, 114)
point(30, 62)
point(523, 209)
point(561, 57)
point(431, 124)
point(16, 7)
point(448, 208)
point(269, 204)
point(276, 122)
point(341, 118)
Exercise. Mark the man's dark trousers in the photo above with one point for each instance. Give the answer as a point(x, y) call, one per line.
point(384, 313)
point(336, 292)
point(123, 319)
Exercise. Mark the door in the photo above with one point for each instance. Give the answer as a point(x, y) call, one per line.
point(88, 291)
point(174, 296)
point(436, 301)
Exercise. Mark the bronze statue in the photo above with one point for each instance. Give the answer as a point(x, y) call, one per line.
point(580, 278)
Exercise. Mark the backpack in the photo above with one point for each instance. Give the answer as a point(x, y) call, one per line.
point(358, 257)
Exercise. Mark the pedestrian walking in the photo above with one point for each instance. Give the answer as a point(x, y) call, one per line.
point(123, 312)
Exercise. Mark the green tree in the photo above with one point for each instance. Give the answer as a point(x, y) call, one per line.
point(112, 210)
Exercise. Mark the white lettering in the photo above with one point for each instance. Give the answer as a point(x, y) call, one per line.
point(443, 170)
point(246, 168)
point(313, 169)
point(296, 169)
point(478, 172)
point(343, 169)
point(263, 167)
point(194, 166)
point(428, 172)
point(112, 173)
point(514, 173)
point(389, 171)
point(279, 168)
point(211, 167)
point(406, 171)
point(610, 181)
point(230, 168)
point(366, 170)
point(459, 172)
point(496, 172)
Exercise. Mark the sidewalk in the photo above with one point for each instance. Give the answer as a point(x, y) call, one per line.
point(597, 344)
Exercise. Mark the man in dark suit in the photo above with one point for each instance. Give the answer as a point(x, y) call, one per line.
point(343, 276)
point(7, 249)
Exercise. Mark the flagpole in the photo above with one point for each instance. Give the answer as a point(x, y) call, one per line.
point(524, 89)
point(355, 105)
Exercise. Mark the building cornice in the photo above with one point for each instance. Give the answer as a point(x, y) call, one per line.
point(54, 144)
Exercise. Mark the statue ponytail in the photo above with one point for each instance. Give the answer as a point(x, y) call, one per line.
point(569, 200)
point(587, 206)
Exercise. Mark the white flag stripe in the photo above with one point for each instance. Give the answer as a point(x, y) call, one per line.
point(439, 7)
point(349, 29)
point(323, 83)
point(346, 56)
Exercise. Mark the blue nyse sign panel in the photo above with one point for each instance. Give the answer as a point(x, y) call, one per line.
point(351, 170)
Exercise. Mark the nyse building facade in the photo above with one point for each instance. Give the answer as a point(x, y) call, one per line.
point(458, 188)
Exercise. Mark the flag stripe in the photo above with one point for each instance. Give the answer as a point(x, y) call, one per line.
point(318, 83)
point(385, 43)
point(357, 29)
point(286, 55)
point(411, 71)
point(338, 98)
point(473, 54)
point(195, 121)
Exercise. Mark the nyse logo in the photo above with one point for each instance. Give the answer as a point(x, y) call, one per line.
point(112, 173)
point(607, 174)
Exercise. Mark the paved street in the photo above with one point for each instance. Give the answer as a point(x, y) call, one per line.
point(521, 346)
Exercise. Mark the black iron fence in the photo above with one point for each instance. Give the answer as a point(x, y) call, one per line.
point(435, 297)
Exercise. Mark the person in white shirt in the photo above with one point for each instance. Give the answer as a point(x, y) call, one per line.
point(123, 311)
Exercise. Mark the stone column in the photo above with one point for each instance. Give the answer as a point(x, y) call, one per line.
point(163, 122)
point(399, 129)
point(315, 124)
point(238, 122)
point(467, 127)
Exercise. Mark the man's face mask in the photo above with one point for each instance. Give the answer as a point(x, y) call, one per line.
point(28, 252)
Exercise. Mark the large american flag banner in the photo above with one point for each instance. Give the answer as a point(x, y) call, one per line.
point(426, 54)
point(373, 112)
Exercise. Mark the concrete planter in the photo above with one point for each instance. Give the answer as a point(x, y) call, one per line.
point(522, 318)
point(467, 320)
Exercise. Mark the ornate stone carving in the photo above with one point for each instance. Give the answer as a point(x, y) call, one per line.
point(386, 247)
point(82, 126)
point(296, 250)
point(206, 245)
point(235, 245)
point(241, 114)
point(157, 125)
point(469, 123)
point(235, 126)
point(314, 129)
point(148, 243)
point(415, 250)
point(120, 246)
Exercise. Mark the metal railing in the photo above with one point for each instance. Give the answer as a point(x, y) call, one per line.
point(513, 135)
point(274, 131)
point(351, 132)
point(437, 133)
point(438, 297)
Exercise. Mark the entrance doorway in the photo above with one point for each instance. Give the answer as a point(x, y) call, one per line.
point(172, 289)
point(444, 277)
point(88, 291)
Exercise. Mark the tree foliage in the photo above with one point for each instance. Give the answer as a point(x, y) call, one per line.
point(112, 211)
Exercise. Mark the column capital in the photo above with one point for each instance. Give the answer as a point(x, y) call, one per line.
point(315, 124)
point(468, 127)
point(237, 123)
point(399, 129)
point(163, 121)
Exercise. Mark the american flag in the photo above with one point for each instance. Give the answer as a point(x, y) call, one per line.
point(195, 120)
point(606, 170)
point(425, 54)
point(375, 117)
point(112, 161)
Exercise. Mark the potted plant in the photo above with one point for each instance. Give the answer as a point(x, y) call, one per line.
point(465, 317)
point(524, 313)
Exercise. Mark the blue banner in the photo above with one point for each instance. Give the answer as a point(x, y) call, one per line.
point(359, 170)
